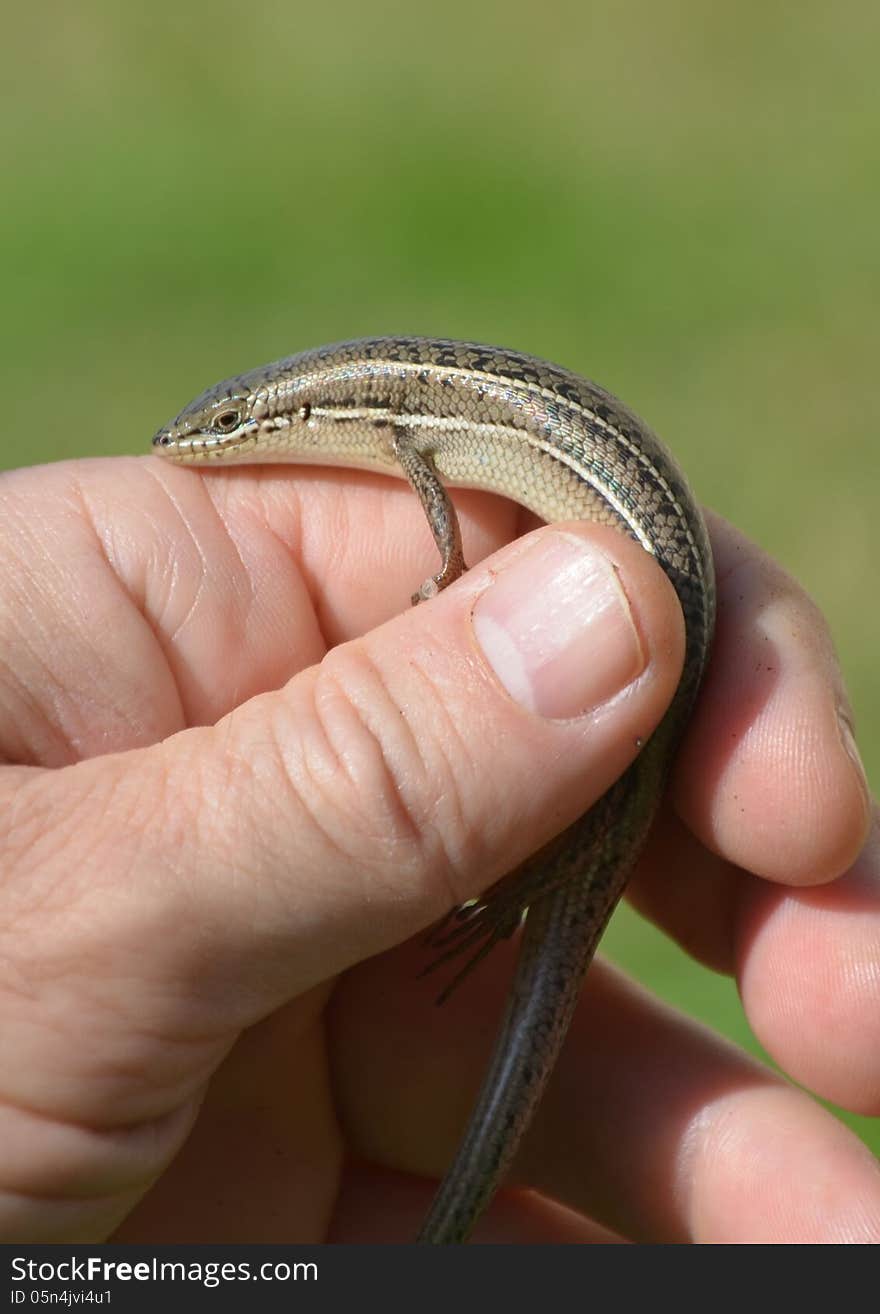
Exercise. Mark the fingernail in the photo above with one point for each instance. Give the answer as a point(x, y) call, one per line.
point(848, 739)
point(556, 628)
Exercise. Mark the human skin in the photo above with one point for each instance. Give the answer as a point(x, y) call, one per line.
point(241, 779)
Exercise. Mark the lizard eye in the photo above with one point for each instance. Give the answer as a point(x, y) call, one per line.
point(226, 421)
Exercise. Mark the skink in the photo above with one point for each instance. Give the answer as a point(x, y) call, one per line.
point(444, 413)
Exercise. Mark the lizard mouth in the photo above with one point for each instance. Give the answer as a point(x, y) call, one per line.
point(202, 443)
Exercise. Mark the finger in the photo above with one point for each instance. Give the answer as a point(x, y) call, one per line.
point(689, 892)
point(745, 802)
point(213, 877)
point(769, 776)
point(689, 1139)
point(650, 1125)
point(140, 598)
point(810, 982)
point(805, 959)
point(82, 671)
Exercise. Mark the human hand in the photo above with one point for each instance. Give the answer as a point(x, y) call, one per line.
point(192, 852)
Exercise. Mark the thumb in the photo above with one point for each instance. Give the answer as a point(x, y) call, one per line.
point(207, 879)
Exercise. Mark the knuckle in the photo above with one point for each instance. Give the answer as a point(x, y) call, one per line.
point(377, 775)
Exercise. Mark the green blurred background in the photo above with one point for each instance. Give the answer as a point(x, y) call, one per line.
point(681, 200)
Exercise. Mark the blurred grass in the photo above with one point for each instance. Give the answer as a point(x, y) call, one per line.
point(681, 201)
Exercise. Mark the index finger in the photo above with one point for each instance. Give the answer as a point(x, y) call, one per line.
point(769, 777)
